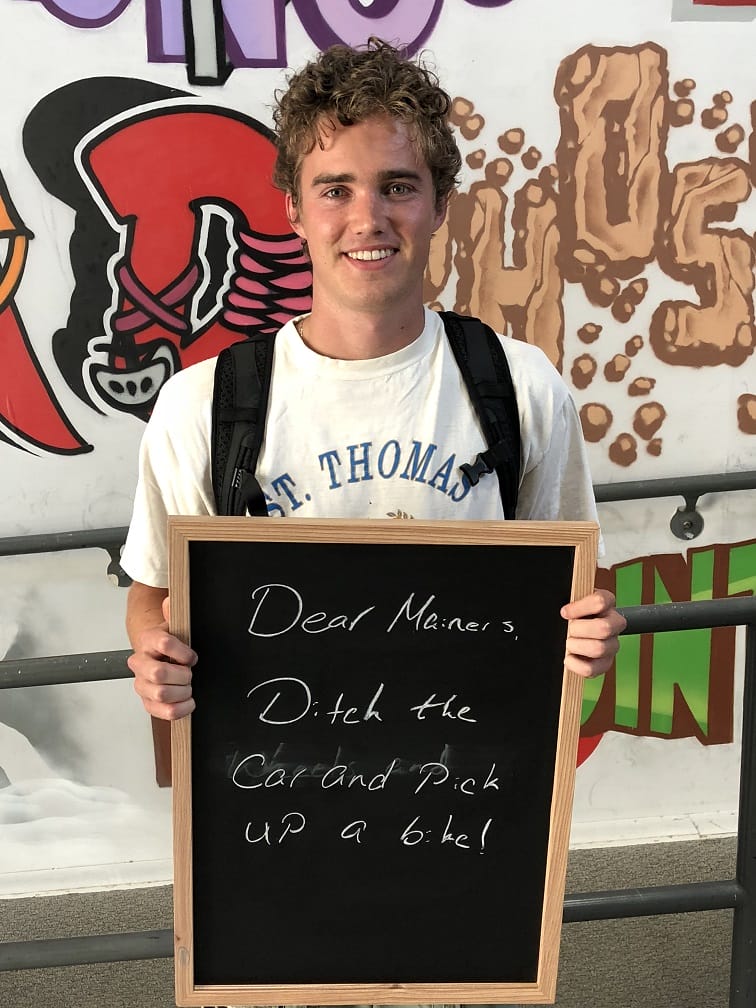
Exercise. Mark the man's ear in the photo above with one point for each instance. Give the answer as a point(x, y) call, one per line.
point(293, 214)
point(442, 206)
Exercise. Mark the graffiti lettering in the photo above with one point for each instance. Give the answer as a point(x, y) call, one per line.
point(718, 262)
point(524, 299)
point(606, 210)
point(255, 34)
point(86, 13)
point(252, 35)
point(673, 685)
point(611, 159)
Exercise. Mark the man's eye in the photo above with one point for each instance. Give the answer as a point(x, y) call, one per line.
point(399, 188)
point(334, 192)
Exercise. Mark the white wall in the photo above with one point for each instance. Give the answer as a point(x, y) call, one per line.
point(81, 808)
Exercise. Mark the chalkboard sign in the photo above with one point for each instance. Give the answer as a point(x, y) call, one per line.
point(372, 798)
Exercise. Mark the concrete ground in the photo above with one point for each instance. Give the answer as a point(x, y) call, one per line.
point(676, 961)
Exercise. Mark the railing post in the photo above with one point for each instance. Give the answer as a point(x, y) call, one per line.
point(743, 968)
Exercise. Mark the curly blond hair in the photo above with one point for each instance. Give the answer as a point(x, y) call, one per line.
point(346, 85)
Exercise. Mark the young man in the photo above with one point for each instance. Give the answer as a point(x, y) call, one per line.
point(366, 382)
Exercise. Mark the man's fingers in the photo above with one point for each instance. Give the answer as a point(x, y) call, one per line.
point(599, 602)
point(599, 628)
point(162, 668)
point(168, 712)
point(162, 694)
point(593, 633)
point(165, 690)
point(595, 614)
point(588, 668)
point(158, 643)
point(593, 647)
point(151, 670)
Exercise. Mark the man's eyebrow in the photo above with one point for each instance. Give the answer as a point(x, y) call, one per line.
point(326, 179)
point(387, 175)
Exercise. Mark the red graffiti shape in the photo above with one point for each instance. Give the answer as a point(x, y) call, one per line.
point(27, 405)
point(154, 177)
point(586, 746)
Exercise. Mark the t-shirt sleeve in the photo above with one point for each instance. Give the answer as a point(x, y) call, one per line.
point(557, 486)
point(174, 475)
point(555, 480)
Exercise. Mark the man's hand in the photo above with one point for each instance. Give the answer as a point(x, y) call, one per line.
point(592, 634)
point(161, 663)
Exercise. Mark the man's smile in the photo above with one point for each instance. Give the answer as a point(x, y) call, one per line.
point(368, 255)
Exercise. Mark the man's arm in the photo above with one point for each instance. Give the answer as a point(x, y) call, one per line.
point(161, 663)
point(593, 633)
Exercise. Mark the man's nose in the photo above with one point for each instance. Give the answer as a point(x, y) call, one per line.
point(369, 215)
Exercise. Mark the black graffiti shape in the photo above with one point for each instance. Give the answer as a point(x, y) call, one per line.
point(51, 133)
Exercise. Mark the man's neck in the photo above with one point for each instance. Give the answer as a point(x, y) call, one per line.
point(362, 335)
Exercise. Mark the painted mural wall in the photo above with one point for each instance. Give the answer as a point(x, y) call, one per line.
point(605, 213)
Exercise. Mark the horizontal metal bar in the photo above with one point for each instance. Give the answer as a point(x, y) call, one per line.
point(54, 542)
point(43, 953)
point(100, 666)
point(690, 615)
point(578, 907)
point(652, 901)
point(53, 671)
point(679, 486)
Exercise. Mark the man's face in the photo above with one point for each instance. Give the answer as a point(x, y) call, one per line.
point(367, 209)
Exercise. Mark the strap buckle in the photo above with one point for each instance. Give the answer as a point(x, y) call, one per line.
point(483, 465)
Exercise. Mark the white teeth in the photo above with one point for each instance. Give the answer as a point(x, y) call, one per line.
point(367, 256)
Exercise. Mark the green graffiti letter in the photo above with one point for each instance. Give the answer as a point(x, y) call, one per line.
point(682, 658)
point(742, 569)
point(627, 662)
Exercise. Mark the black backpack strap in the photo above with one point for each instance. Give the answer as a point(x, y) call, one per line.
point(240, 402)
point(485, 369)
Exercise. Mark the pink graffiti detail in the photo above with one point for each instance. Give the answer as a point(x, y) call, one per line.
point(260, 290)
point(157, 309)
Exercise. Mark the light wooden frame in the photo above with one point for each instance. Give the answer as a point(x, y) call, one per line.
point(583, 536)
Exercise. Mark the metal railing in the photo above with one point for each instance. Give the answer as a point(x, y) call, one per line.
point(96, 666)
point(690, 488)
point(738, 894)
point(686, 523)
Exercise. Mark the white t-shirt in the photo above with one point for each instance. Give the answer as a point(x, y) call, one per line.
point(362, 439)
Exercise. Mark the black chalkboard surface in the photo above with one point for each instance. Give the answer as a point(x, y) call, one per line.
point(372, 797)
